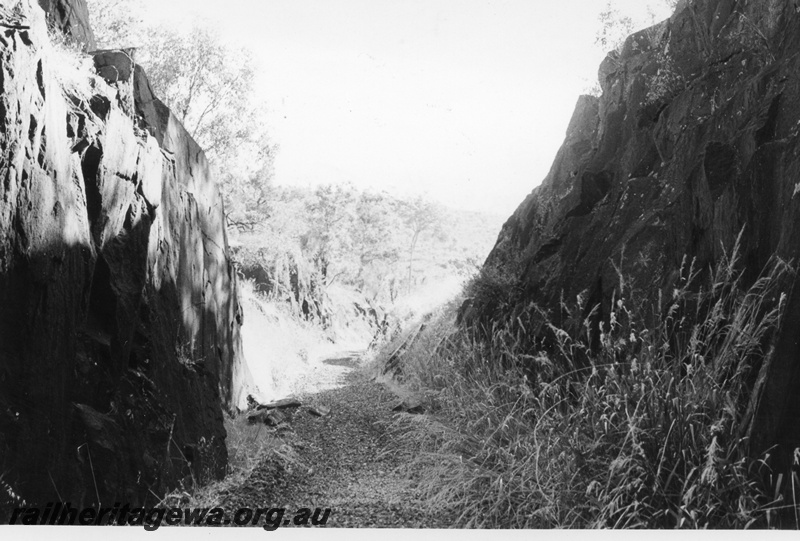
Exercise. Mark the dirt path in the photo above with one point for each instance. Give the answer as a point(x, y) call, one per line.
point(336, 461)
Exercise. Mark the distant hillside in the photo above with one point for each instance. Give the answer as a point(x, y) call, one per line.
point(362, 240)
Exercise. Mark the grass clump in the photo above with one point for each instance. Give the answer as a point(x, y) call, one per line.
point(647, 428)
point(72, 68)
point(248, 447)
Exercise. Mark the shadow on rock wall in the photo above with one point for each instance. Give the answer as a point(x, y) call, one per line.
point(119, 313)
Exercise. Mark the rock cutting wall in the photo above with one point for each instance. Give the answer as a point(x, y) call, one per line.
point(119, 314)
point(71, 18)
point(695, 137)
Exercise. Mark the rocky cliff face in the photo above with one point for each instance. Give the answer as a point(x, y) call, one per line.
point(694, 138)
point(70, 18)
point(119, 315)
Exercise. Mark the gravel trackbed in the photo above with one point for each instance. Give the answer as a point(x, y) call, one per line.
point(337, 461)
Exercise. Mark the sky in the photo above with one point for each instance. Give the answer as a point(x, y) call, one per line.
point(466, 101)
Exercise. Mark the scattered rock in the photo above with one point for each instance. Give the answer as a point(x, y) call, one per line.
point(267, 417)
point(280, 404)
point(319, 411)
point(274, 418)
point(252, 403)
point(409, 405)
point(255, 418)
point(345, 466)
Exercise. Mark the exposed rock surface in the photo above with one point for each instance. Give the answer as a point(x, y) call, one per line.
point(119, 314)
point(297, 281)
point(695, 137)
point(70, 17)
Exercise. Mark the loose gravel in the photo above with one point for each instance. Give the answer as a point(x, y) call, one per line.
point(337, 461)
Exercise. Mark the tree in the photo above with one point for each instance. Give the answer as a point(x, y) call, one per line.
point(420, 215)
point(117, 23)
point(245, 183)
point(374, 229)
point(376, 241)
point(207, 84)
point(327, 240)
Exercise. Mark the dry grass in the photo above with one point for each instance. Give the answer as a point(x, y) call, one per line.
point(649, 434)
point(248, 445)
point(71, 67)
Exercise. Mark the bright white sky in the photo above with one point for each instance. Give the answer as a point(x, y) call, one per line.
point(465, 100)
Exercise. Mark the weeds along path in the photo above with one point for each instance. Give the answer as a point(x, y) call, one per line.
point(337, 461)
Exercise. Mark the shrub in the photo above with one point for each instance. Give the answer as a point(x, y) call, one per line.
point(492, 296)
point(667, 81)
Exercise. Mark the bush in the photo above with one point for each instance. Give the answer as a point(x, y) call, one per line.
point(651, 435)
point(492, 296)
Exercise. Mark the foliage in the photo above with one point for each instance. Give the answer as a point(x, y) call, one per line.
point(419, 215)
point(650, 434)
point(331, 235)
point(117, 23)
point(613, 31)
point(376, 243)
point(329, 214)
point(249, 446)
point(360, 239)
point(667, 80)
point(246, 183)
point(207, 84)
point(614, 28)
point(493, 295)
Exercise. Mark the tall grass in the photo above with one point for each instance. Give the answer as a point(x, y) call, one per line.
point(249, 446)
point(647, 429)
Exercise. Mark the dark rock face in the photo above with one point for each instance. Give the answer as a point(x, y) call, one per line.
point(694, 138)
point(71, 17)
point(290, 277)
point(119, 313)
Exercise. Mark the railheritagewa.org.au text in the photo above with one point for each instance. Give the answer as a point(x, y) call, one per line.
point(269, 518)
